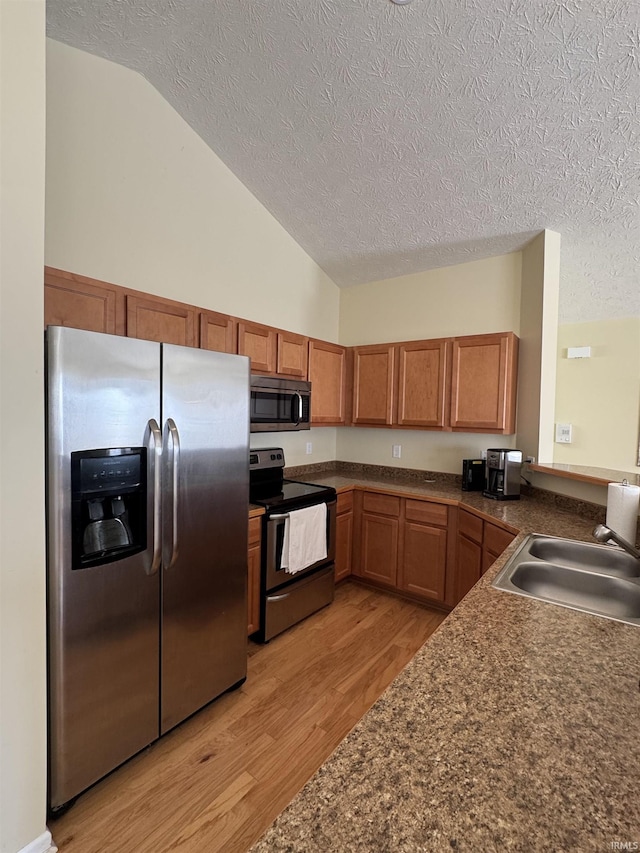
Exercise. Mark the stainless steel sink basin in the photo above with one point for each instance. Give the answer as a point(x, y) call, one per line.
point(597, 579)
point(583, 555)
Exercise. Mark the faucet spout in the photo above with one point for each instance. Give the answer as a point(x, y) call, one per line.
point(605, 534)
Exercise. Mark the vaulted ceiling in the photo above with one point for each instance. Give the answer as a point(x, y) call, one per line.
point(390, 139)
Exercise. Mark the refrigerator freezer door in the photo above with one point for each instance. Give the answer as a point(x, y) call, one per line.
point(103, 619)
point(205, 410)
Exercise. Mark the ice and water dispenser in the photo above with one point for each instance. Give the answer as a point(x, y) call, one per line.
point(108, 505)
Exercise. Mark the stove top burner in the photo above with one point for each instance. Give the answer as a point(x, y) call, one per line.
point(268, 488)
point(292, 495)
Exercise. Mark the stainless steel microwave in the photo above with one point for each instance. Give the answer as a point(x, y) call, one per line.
point(279, 404)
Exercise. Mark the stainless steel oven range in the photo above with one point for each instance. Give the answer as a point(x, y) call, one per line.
point(294, 581)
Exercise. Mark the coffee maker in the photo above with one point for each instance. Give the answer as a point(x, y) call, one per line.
point(502, 474)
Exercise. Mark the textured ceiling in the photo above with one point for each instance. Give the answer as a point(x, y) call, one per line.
point(392, 139)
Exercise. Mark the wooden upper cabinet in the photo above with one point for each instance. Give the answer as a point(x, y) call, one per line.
point(260, 344)
point(373, 384)
point(82, 303)
point(483, 383)
point(153, 318)
point(217, 332)
point(423, 383)
point(328, 377)
point(292, 355)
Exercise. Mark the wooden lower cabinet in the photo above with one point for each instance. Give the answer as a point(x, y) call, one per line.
point(377, 545)
point(468, 566)
point(479, 545)
point(344, 535)
point(422, 566)
point(253, 587)
point(494, 541)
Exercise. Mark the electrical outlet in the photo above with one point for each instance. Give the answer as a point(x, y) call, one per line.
point(530, 459)
point(309, 447)
point(396, 451)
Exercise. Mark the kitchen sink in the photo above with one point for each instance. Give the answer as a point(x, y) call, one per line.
point(584, 556)
point(597, 579)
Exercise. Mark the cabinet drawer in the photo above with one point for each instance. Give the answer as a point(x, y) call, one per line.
point(382, 504)
point(470, 526)
point(426, 512)
point(255, 529)
point(496, 538)
point(345, 502)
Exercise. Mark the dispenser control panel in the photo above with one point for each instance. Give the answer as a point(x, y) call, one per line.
point(105, 473)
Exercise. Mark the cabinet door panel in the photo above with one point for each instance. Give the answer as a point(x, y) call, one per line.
point(379, 548)
point(253, 581)
point(469, 566)
point(328, 375)
point(79, 304)
point(156, 319)
point(426, 512)
point(422, 383)
point(259, 343)
point(496, 538)
point(424, 560)
point(470, 525)
point(344, 502)
point(373, 379)
point(217, 332)
point(292, 354)
point(483, 384)
point(383, 504)
point(344, 544)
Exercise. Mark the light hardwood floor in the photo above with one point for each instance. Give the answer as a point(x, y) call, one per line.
point(217, 781)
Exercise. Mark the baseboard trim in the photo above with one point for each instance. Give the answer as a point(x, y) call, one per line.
point(42, 844)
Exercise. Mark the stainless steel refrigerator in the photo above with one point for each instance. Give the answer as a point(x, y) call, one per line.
point(147, 499)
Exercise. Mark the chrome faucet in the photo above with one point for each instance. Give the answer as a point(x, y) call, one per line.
point(604, 534)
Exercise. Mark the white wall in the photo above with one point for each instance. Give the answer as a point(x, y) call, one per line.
point(22, 552)
point(467, 299)
point(135, 197)
point(538, 335)
point(473, 298)
point(599, 395)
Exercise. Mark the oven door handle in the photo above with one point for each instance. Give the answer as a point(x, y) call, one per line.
point(281, 520)
point(278, 597)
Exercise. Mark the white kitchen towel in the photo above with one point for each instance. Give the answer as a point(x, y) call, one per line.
point(305, 538)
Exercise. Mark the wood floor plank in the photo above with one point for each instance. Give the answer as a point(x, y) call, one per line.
point(216, 782)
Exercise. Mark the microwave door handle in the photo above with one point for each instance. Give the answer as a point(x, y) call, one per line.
point(297, 417)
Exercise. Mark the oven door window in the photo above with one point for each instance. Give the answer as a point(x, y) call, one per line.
point(273, 407)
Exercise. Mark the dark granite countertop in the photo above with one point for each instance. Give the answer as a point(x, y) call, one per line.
point(515, 727)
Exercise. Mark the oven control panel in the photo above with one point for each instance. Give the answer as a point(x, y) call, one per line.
point(266, 457)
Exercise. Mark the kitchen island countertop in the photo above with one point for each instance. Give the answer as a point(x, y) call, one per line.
point(515, 727)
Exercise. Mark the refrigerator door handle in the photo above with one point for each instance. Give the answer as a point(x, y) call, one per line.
point(172, 431)
point(154, 454)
